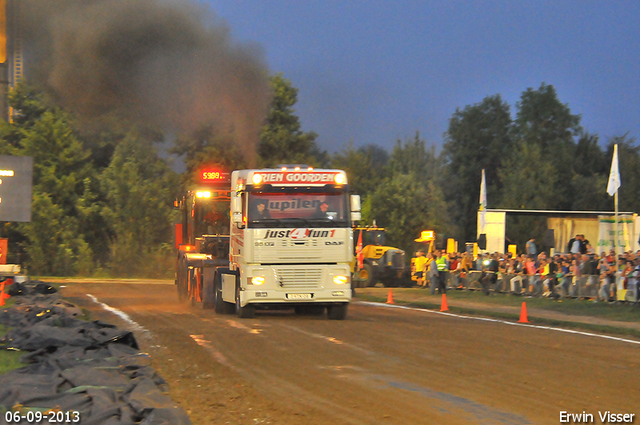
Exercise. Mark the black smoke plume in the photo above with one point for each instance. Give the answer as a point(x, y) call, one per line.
point(167, 63)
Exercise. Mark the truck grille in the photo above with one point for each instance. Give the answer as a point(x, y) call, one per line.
point(298, 278)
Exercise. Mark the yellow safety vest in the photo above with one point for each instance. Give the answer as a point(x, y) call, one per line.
point(442, 264)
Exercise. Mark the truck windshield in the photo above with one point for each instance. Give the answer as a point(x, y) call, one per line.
point(212, 216)
point(320, 209)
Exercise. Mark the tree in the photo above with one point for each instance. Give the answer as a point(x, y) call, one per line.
point(542, 119)
point(478, 138)
point(52, 240)
point(140, 189)
point(365, 166)
point(410, 198)
point(527, 178)
point(282, 140)
point(207, 147)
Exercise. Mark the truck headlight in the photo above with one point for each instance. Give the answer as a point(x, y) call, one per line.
point(339, 280)
point(257, 280)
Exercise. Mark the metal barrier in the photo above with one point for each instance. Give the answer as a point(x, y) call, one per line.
point(571, 286)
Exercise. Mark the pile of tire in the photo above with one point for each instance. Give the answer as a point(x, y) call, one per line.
point(77, 371)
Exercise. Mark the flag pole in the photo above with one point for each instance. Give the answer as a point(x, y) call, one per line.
point(615, 242)
point(612, 189)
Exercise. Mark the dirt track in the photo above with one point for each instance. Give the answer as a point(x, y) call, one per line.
point(381, 365)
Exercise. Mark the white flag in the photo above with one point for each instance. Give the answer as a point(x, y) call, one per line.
point(614, 175)
point(483, 202)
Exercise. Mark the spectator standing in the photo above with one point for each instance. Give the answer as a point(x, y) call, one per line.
point(574, 245)
point(583, 244)
point(454, 269)
point(531, 247)
point(606, 271)
point(420, 271)
point(441, 265)
point(530, 267)
point(489, 275)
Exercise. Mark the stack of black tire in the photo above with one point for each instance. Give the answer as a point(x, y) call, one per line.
point(89, 371)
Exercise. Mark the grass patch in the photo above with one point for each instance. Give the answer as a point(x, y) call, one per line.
point(621, 312)
point(9, 359)
point(494, 300)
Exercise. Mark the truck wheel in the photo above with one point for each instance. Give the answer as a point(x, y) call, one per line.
point(365, 275)
point(193, 282)
point(246, 312)
point(181, 284)
point(208, 294)
point(221, 306)
point(182, 287)
point(337, 311)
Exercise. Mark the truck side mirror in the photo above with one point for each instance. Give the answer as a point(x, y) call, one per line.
point(355, 203)
point(356, 216)
point(236, 210)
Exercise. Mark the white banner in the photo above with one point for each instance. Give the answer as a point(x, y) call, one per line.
point(607, 237)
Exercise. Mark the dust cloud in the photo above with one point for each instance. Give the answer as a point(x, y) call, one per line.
point(169, 63)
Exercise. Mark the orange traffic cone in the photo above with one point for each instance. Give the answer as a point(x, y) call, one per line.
point(444, 306)
point(523, 313)
point(390, 297)
point(2, 296)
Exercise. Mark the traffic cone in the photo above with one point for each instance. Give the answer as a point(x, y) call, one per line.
point(523, 313)
point(2, 295)
point(390, 297)
point(444, 306)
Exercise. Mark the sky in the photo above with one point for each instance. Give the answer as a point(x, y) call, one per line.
point(374, 72)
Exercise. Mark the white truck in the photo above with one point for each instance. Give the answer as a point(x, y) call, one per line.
point(291, 243)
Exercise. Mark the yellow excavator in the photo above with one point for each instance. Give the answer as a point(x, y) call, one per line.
point(375, 262)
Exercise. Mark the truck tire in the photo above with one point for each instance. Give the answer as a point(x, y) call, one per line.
point(221, 306)
point(337, 311)
point(193, 283)
point(181, 283)
point(365, 276)
point(208, 294)
point(246, 312)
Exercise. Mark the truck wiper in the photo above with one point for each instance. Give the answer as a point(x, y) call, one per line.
point(301, 219)
point(267, 220)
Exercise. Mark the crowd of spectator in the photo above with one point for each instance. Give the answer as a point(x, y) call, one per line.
point(556, 276)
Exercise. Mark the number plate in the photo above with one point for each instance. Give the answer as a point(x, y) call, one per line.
point(299, 296)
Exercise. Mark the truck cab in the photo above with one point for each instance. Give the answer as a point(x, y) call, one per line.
point(291, 242)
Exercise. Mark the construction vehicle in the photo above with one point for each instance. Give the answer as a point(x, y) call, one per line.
point(377, 262)
point(289, 244)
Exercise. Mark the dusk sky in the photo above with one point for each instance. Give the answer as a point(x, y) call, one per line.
point(377, 71)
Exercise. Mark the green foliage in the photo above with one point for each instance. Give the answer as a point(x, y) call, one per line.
point(365, 167)
point(478, 138)
point(282, 140)
point(207, 147)
point(52, 239)
point(407, 202)
point(140, 189)
point(542, 119)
